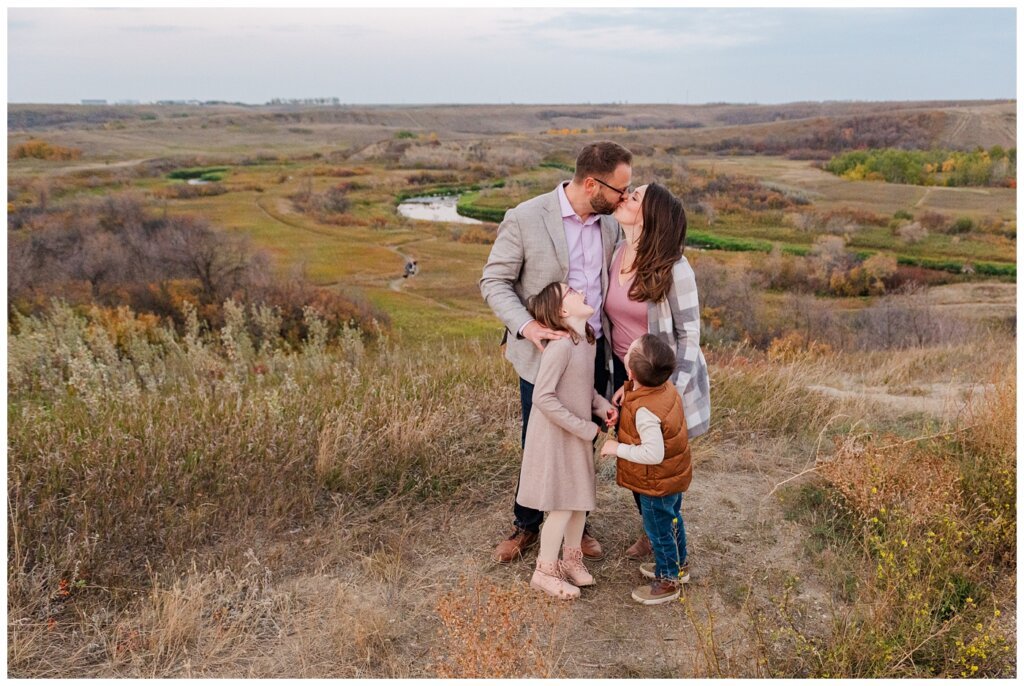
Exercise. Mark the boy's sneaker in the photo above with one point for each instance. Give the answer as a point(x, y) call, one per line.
point(647, 569)
point(657, 592)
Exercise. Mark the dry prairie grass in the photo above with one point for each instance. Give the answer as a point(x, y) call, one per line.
point(215, 507)
point(124, 459)
point(362, 582)
point(928, 523)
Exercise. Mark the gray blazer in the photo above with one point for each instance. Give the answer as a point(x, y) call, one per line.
point(530, 252)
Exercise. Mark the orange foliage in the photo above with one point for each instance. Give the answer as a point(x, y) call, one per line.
point(122, 324)
point(889, 473)
point(794, 346)
point(41, 150)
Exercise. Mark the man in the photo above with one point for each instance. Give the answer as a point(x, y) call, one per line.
point(565, 235)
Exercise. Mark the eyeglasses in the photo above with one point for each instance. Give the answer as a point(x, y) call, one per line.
point(624, 191)
point(569, 290)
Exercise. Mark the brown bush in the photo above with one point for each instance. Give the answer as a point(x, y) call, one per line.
point(730, 302)
point(339, 309)
point(891, 473)
point(336, 172)
point(912, 233)
point(795, 346)
point(41, 150)
point(428, 178)
point(324, 206)
point(908, 318)
point(784, 272)
point(909, 275)
point(187, 191)
point(730, 193)
point(934, 221)
point(815, 320)
point(113, 253)
point(477, 234)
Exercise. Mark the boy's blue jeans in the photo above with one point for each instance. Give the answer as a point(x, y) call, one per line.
point(668, 539)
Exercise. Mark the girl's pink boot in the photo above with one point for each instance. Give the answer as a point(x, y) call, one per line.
point(548, 578)
point(572, 567)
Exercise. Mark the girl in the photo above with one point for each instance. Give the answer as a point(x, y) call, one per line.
point(652, 289)
point(558, 459)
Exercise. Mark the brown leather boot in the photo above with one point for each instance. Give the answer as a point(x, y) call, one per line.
point(592, 550)
point(512, 548)
point(641, 550)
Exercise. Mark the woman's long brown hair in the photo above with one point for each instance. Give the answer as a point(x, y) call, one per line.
point(661, 244)
point(546, 308)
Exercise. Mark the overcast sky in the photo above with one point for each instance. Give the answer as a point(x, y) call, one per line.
point(502, 56)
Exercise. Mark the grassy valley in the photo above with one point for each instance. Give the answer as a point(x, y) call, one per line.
point(241, 444)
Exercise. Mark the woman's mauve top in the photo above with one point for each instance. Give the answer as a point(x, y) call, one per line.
point(628, 317)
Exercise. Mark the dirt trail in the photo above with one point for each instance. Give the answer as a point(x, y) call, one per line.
point(924, 197)
point(743, 550)
point(283, 208)
point(397, 283)
point(941, 400)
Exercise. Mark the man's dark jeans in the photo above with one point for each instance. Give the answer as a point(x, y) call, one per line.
point(527, 517)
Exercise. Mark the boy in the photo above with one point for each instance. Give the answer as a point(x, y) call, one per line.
point(654, 462)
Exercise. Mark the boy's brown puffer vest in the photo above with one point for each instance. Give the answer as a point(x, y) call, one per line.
point(673, 474)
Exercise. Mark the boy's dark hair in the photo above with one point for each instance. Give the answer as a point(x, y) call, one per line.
point(546, 308)
point(600, 159)
point(652, 361)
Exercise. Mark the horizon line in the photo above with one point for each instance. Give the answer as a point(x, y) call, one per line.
point(192, 102)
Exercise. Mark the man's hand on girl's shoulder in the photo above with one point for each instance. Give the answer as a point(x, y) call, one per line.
point(536, 333)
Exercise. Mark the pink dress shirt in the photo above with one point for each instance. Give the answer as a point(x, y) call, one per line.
point(586, 256)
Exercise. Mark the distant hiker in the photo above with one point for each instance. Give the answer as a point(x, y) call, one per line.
point(566, 236)
point(557, 474)
point(654, 462)
point(410, 268)
point(652, 289)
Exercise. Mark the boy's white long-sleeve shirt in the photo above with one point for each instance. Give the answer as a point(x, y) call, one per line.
point(652, 443)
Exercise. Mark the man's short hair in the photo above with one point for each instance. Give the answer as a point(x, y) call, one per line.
point(652, 361)
point(601, 159)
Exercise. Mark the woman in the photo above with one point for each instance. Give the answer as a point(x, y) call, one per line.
point(652, 289)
